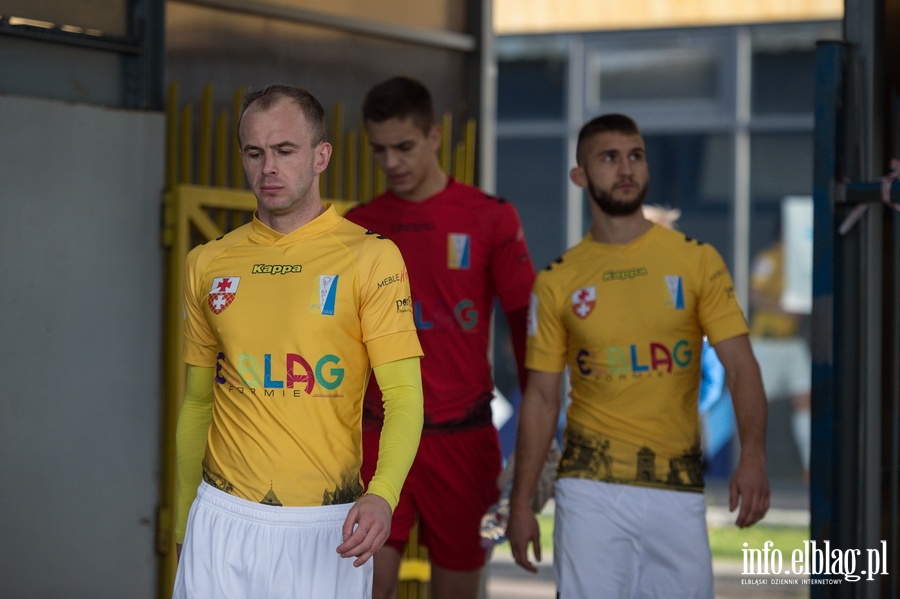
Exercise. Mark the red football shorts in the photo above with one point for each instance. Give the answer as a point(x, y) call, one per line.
point(452, 483)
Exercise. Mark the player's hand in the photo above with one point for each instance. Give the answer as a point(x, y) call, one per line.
point(522, 529)
point(366, 528)
point(750, 488)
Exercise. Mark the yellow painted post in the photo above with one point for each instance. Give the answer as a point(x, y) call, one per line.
point(415, 570)
point(380, 180)
point(188, 209)
point(205, 146)
point(335, 173)
point(185, 154)
point(355, 178)
point(366, 164)
point(170, 230)
point(469, 142)
point(459, 161)
point(446, 137)
point(172, 137)
point(237, 165)
point(204, 143)
point(173, 389)
point(222, 144)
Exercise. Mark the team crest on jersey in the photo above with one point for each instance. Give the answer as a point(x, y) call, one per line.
point(458, 251)
point(327, 294)
point(222, 293)
point(583, 301)
point(676, 291)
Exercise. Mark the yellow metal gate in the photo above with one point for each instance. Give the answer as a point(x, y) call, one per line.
point(205, 197)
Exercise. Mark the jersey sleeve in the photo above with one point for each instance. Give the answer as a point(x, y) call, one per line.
point(199, 342)
point(512, 271)
point(512, 275)
point(547, 339)
point(386, 312)
point(721, 315)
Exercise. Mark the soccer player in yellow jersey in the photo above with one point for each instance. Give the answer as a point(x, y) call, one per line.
point(285, 319)
point(626, 311)
point(780, 346)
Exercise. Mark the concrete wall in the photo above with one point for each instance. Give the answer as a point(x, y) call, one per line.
point(81, 282)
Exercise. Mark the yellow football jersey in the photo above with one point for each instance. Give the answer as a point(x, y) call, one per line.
point(767, 278)
point(293, 325)
point(628, 321)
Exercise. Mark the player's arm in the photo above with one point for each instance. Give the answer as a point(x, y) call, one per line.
point(518, 325)
point(401, 388)
point(512, 274)
point(190, 441)
point(749, 484)
point(369, 522)
point(538, 416)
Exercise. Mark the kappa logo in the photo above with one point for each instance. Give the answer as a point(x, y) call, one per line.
point(584, 301)
point(222, 293)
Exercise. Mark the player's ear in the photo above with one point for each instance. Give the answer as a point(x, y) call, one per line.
point(578, 177)
point(323, 156)
point(435, 137)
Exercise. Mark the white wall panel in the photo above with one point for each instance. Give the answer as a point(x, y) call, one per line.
point(80, 345)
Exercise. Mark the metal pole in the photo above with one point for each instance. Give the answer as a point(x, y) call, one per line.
point(826, 503)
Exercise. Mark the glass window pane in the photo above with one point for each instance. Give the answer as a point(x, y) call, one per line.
point(784, 67)
point(781, 168)
point(694, 174)
point(783, 82)
point(531, 78)
point(684, 74)
point(531, 88)
point(781, 165)
point(659, 74)
point(531, 173)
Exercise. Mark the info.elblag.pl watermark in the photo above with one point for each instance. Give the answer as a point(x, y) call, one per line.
point(814, 563)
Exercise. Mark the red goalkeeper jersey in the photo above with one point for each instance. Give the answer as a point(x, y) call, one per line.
point(464, 249)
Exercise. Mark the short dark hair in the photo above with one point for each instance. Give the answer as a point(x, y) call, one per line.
point(267, 97)
point(618, 123)
point(400, 98)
